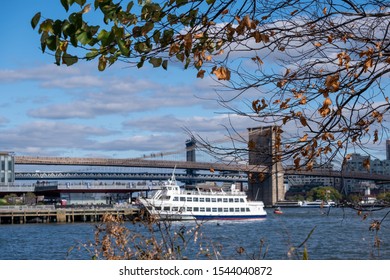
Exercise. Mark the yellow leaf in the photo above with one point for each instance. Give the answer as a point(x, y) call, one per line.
point(304, 138)
point(327, 102)
point(324, 11)
point(317, 44)
point(198, 36)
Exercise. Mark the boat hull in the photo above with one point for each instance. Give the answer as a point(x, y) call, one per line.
point(180, 217)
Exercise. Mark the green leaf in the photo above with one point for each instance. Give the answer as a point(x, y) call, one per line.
point(147, 28)
point(124, 49)
point(35, 20)
point(92, 55)
point(51, 42)
point(102, 63)
point(83, 38)
point(165, 64)
point(69, 59)
point(156, 62)
point(58, 57)
point(65, 4)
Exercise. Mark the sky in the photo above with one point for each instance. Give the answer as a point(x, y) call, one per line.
point(49, 110)
point(77, 111)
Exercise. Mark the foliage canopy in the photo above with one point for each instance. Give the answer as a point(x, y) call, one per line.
point(320, 67)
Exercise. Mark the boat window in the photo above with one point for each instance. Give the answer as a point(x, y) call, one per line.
point(175, 209)
point(219, 199)
point(220, 210)
point(182, 198)
point(189, 209)
point(225, 209)
point(241, 200)
point(149, 207)
point(231, 209)
point(225, 200)
point(242, 209)
point(201, 209)
point(213, 199)
point(248, 210)
point(175, 198)
point(195, 199)
point(196, 209)
point(181, 209)
point(230, 199)
point(237, 210)
point(207, 199)
point(214, 209)
point(208, 209)
point(158, 208)
point(189, 199)
point(201, 199)
point(167, 208)
point(236, 200)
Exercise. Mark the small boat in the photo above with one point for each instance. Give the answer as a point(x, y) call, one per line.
point(278, 211)
point(213, 203)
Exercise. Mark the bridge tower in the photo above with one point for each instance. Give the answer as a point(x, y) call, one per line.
point(191, 155)
point(268, 186)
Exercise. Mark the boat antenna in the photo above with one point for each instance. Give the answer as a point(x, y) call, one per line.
point(173, 173)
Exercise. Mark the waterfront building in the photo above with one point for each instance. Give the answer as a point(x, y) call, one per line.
point(376, 166)
point(7, 167)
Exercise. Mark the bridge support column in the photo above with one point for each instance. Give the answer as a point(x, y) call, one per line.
point(267, 186)
point(191, 157)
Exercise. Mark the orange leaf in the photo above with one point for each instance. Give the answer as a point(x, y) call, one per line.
point(222, 73)
point(304, 138)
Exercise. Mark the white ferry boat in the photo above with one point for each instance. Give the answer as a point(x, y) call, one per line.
point(174, 203)
point(318, 204)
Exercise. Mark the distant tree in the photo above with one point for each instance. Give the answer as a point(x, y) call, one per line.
point(318, 66)
point(384, 197)
point(30, 198)
point(324, 193)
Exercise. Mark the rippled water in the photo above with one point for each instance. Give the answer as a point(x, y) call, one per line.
point(337, 234)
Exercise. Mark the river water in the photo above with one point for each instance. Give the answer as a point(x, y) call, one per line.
point(336, 233)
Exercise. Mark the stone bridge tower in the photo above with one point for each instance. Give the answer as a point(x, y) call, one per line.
point(268, 186)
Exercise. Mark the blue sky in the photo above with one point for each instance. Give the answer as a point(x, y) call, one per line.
point(79, 111)
point(49, 110)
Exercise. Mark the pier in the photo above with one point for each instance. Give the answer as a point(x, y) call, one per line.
point(51, 214)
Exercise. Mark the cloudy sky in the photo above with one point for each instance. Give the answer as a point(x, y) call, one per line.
point(49, 110)
point(79, 111)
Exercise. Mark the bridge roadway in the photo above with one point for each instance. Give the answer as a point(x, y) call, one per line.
point(144, 176)
point(378, 178)
point(138, 163)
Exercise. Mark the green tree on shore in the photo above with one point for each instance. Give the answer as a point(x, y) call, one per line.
point(324, 193)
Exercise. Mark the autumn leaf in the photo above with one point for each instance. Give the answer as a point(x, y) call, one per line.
point(304, 138)
point(303, 121)
point(200, 74)
point(222, 73)
point(366, 164)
